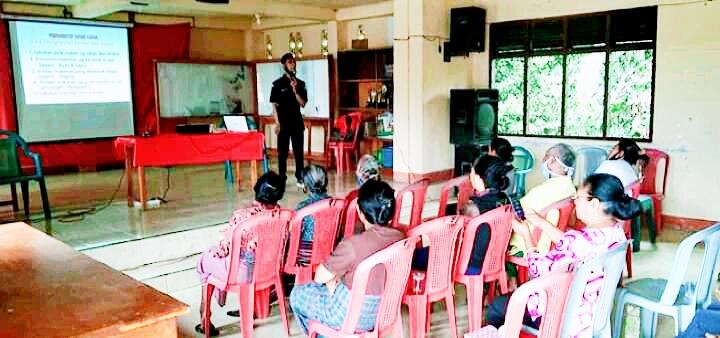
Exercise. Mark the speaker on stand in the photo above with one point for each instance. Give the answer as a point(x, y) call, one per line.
point(473, 124)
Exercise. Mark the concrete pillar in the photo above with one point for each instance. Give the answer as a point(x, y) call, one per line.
point(422, 83)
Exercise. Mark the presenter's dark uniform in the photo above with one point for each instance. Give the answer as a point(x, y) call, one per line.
point(291, 123)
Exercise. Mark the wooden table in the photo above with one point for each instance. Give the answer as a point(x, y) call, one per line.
point(47, 289)
point(181, 149)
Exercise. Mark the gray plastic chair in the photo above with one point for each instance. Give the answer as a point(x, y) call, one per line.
point(587, 160)
point(523, 161)
point(673, 296)
point(613, 264)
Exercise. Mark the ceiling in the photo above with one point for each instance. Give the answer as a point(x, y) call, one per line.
point(317, 10)
point(334, 4)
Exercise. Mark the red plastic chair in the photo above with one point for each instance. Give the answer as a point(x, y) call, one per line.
point(343, 149)
point(465, 190)
point(649, 184)
point(442, 234)
point(493, 269)
point(396, 260)
point(327, 219)
point(556, 286)
point(417, 190)
point(351, 219)
point(635, 188)
point(271, 231)
point(566, 209)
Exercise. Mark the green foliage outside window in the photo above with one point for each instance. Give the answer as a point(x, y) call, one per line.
point(544, 101)
point(630, 94)
point(628, 101)
point(507, 78)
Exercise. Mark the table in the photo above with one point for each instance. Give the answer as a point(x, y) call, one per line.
point(47, 289)
point(185, 149)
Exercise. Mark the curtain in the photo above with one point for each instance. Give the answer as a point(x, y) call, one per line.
point(150, 43)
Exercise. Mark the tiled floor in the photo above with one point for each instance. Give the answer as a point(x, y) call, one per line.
point(197, 198)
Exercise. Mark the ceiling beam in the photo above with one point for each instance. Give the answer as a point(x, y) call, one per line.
point(94, 8)
point(266, 8)
point(365, 11)
point(275, 23)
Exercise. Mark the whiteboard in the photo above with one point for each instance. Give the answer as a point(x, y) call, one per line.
point(197, 89)
point(316, 75)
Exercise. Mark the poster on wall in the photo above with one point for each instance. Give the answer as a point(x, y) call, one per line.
point(316, 75)
point(198, 89)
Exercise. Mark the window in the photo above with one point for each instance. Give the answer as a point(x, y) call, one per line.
point(584, 76)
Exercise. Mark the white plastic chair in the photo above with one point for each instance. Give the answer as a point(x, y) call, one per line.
point(587, 161)
point(613, 264)
point(673, 296)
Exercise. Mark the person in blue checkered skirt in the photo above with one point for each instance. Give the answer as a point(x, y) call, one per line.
point(326, 299)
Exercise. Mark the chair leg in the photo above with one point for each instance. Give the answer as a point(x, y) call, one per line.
point(262, 303)
point(247, 301)
point(282, 305)
point(417, 307)
point(657, 205)
point(44, 196)
point(628, 260)
point(26, 197)
point(492, 289)
point(648, 323)
point(450, 305)
point(13, 195)
point(619, 314)
point(205, 308)
point(475, 298)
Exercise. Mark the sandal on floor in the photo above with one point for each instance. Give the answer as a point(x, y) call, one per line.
point(214, 332)
point(234, 313)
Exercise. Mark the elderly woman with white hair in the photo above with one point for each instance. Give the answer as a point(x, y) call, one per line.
point(368, 168)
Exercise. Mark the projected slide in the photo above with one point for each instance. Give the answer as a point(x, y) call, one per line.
point(72, 81)
point(73, 64)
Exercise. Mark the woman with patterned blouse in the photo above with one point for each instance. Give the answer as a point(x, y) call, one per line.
point(601, 203)
point(269, 189)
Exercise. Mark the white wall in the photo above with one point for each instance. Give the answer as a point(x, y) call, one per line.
point(687, 99)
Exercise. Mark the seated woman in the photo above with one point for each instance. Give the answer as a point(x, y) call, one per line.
point(315, 185)
point(557, 168)
point(502, 149)
point(326, 299)
point(622, 162)
point(368, 168)
point(489, 180)
point(269, 189)
point(601, 203)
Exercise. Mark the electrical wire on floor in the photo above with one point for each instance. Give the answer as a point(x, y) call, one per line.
point(76, 215)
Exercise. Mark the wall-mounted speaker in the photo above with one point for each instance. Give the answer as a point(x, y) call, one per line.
point(467, 29)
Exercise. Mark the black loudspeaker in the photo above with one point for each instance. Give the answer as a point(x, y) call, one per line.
point(465, 156)
point(473, 115)
point(467, 29)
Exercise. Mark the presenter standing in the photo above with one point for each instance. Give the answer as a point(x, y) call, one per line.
point(288, 95)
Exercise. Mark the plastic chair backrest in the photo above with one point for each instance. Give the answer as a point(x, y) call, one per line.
point(556, 287)
point(587, 160)
point(326, 214)
point(9, 161)
point(523, 162)
point(649, 184)
point(269, 229)
point(701, 295)
point(343, 219)
point(442, 234)
point(417, 190)
point(499, 220)
point(611, 264)
point(396, 260)
point(565, 208)
point(351, 218)
point(464, 191)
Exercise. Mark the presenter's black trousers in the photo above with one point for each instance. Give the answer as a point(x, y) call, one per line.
point(297, 138)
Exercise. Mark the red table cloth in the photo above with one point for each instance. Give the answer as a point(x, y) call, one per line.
point(179, 149)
